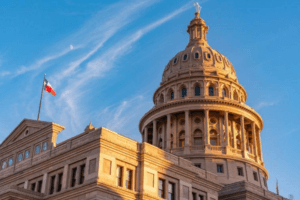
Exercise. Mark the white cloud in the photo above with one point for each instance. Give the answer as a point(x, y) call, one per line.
point(264, 104)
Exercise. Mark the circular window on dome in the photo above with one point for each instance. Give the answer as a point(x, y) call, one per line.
point(27, 154)
point(4, 164)
point(182, 122)
point(207, 56)
point(20, 157)
point(37, 149)
point(197, 120)
point(218, 58)
point(213, 120)
point(185, 57)
point(175, 61)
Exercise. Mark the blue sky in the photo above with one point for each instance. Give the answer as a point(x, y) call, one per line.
point(120, 49)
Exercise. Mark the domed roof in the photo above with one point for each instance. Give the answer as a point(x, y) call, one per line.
point(198, 56)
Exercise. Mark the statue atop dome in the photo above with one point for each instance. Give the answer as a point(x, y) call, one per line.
point(198, 7)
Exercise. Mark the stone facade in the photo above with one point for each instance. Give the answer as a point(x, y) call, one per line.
point(200, 142)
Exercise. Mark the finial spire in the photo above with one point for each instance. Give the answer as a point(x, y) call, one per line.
point(198, 7)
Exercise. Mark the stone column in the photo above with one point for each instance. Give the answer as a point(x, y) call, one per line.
point(233, 134)
point(175, 133)
point(78, 175)
point(44, 183)
point(26, 184)
point(187, 132)
point(243, 136)
point(154, 134)
point(168, 135)
point(260, 147)
point(226, 128)
point(254, 140)
point(146, 134)
point(206, 127)
point(163, 136)
point(221, 138)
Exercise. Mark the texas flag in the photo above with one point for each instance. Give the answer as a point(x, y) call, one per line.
point(49, 88)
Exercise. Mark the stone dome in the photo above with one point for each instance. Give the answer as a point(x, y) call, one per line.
point(198, 56)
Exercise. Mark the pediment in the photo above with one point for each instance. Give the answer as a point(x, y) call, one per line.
point(25, 128)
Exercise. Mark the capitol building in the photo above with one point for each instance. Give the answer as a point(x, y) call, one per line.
point(200, 142)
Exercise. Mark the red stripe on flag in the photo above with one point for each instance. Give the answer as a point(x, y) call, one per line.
point(50, 90)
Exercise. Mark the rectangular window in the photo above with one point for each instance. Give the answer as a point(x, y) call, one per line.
point(194, 196)
point(82, 168)
point(39, 189)
point(198, 165)
point(59, 183)
point(73, 177)
point(220, 169)
point(161, 188)
point(240, 171)
point(52, 181)
point(201, 197)
point(33, 186)
point(119, 176)
point(255, 176)
point(129, 179)
point(171, 191)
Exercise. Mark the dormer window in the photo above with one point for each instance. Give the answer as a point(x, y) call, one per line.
point(197, 55)
point(208, 56)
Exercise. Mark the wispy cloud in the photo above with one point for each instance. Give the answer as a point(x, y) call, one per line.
point(264, 104)
point(69, 100)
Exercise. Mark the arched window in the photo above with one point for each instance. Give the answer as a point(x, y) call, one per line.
point(238, 142)
point(183, 92)
point(185, 57)
point(172, 95)
point(181, 138)
point(175, 60)
point(196, 55)
point(208, 55)
point(224, 92)
point(197, 91)
point(213, 137)
point(198, 137)
point(161, 99)
point(211, 91)
point(235, 96)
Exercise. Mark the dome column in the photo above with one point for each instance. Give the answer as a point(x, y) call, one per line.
point(206, 127)
point(154, 141)
point(168, 135)
point(242, 121)
point(254, 140)
point(146, 134)
point(187, 132)
point(260, 147)
point(227, 143)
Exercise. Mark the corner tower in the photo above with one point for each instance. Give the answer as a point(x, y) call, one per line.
point(200, 113)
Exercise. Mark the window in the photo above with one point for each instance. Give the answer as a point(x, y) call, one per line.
point(183, 92)
point(240, 171)
point(81, 180)
point(211, 91)
point(172, 95)
point(4, 164)
point(197, 91)
point(45, 146)
point(201, 197)
point(197, 137)
point(171, 191)
point(185, 57)
point(37, 149)
point(52, 182)
point(129, 179)
point(10, 162)
point(73, 177)
point(220, 168)
point(181, 138)
point(175, 60)
point(20, 157)
point(33, 186)
point(39, 189)
point(213, 137)
point(119, 176)
point(27, 153)
point(235, 96)
point(255, 176)
point(194, 196)
point(224, 92)
point(198, 165)
point(196, 55)
point(208, 56)
point(59, 183)
point(161, 188)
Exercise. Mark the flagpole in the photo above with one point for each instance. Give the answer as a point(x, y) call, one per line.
point(38, 118)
